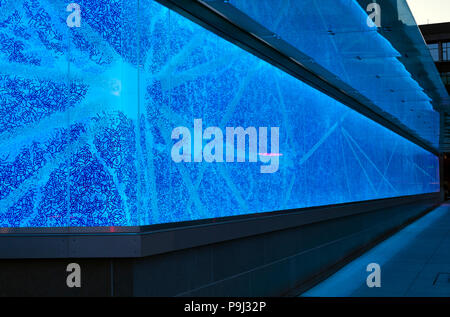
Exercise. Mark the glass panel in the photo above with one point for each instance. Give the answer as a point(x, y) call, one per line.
point(36, 97)
point(434, 50)
point(103, 169)
point(446, 51)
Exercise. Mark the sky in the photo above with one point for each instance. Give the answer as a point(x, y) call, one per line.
point(430, 11)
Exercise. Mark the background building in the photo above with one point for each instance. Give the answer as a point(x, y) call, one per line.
point(437, 36)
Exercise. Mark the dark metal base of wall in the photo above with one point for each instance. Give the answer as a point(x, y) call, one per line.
point(272, 263)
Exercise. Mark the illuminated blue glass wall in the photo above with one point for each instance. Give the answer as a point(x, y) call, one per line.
point(86, 116)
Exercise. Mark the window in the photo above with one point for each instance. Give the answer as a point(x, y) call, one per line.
point(434, 50)
point(446, 51)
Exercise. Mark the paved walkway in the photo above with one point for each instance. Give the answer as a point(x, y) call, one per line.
point(414, 262)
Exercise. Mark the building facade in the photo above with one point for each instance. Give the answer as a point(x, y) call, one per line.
point(437, 37)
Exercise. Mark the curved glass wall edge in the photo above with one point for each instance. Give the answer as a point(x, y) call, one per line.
point(351, 49)
point(100, 127)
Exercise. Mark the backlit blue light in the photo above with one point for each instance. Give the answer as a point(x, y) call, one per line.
point(86, 116)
